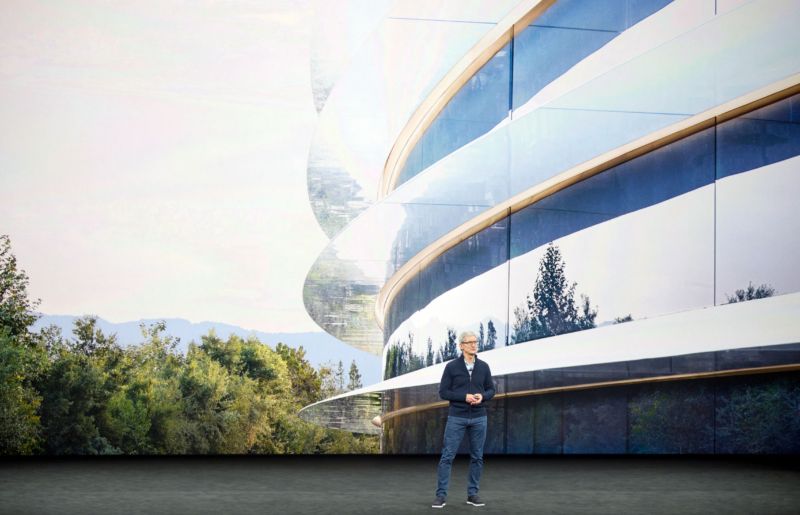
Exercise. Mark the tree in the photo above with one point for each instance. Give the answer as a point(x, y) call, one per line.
point(20, 365)
point(74, 401)
point(339, 376)
point(355, 377)
point(481, 338)
point(306, 382)
point(16, 309)
point(22, 360)
point(89, 340)
point(551, 309)
point(450, 350)
point(429, 353)
point(491, 337)
point(750, 293)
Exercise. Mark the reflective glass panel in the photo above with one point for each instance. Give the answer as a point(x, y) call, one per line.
point(478, 107)
point(566, 33)
point(758, 224)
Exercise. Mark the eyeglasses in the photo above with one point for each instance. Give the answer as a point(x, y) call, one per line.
point(470, 343)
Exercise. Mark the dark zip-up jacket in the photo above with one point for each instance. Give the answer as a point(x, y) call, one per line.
point(456, 384)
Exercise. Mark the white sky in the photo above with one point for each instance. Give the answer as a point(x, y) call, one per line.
point(153, 158)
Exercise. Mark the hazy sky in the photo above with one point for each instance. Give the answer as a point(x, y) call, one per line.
point(153, 155)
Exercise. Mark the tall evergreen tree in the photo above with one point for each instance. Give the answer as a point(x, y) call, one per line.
point(339, 375)
point(491, 337)
point(355, 377)
point(481, 338)
point(551, 309)
point(429, 353)
point(450, 347)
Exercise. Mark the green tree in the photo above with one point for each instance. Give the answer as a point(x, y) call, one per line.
point(481, 338)
point(327, 380)
point(20, 365)
point(355, 377)
point(17, 311)
point(22, 360)
point(306, 381)
point(74, 400)
point(551, 309)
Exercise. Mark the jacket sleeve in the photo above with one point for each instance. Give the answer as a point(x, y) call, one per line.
point(488, 385)
point(446, 391)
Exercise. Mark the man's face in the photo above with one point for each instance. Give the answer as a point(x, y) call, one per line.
point(469, 346)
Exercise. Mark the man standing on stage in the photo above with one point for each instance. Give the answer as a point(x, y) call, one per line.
point(467, 384)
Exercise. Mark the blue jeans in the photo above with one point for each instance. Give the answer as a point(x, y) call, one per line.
point(453, 434)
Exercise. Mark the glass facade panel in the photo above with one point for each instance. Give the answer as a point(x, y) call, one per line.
point(429, 335)
point(478, 107)
point(758, 227)
point(759, 138)
point(594, 422)
point(521, 419)
point(671, 418)
point(672, 187)
point(758, 415)
point(468, 259)
point(752, 414)
point(658, 211)
point(565, 34)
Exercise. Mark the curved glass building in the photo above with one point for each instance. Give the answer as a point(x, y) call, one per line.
point(601, 190)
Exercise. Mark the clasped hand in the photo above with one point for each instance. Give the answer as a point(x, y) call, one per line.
point(474, 398)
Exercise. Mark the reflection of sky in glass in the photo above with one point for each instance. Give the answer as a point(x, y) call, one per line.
point(758, 230)
point(676, 18)
point(700, 69)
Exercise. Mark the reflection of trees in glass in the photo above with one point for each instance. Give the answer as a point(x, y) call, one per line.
point(551, 308)
point(450, 350)
point(759, 418)
point(671, 419)
point(491, 338)
point(750, 293)
point(429, 353)
point(401, 358)
point(487, 340)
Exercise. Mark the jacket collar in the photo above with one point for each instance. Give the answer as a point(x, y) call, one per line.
point(464, 360)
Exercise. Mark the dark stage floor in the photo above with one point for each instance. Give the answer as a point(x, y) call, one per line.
point(391, 484)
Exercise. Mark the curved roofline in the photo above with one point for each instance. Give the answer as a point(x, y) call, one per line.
point(741, 105)
point(519, 18)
